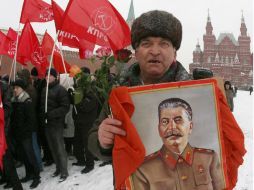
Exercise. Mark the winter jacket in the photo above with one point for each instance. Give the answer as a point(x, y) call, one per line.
point(176, 72)
point(6, 99)
point(22, 117)
point(58, 105)
point(230, 96)
point(69, 124)
point(86, 112)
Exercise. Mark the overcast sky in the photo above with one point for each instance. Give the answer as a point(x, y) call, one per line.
point(225, 16)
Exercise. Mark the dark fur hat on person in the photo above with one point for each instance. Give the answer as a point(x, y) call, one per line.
point(156, 24)
point(19, 82)
point(52, 72)
point(34, 72)
point(227, 83)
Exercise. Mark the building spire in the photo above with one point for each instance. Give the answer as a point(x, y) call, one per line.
point(208, 17)
point(131, 14)
point(242, 19)
point(209, 27)
point(243, 28)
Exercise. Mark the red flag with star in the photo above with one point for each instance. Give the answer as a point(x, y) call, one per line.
point(36, 11)
point(96, 21)
point(30, 49)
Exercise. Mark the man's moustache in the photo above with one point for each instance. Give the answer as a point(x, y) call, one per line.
point(173, 133)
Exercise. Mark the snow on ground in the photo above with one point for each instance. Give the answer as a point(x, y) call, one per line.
point(101, 177)
point(244, 115)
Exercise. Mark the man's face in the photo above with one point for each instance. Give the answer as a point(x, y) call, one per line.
point(17, 90)
point(51, 78)
point(155, 55)
point(174, 127)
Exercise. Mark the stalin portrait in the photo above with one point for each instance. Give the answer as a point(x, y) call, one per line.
point(178, 165)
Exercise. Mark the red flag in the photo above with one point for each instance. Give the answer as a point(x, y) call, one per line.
point(2, 43)
point(36, 11)
point(3, 145)
point(86, 49)
point(58, 13)
point(96, 21)
point(12, 34)
point(47, 44)
point(66, 38)
point(58, 64)
point(8, 45)
point(11, 42)
point(47, 47)
point(30, 49)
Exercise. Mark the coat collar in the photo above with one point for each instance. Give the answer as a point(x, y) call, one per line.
point(132, 77)
point(172, 159)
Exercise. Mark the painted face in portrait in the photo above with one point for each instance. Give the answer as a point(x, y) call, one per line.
point(175, 128)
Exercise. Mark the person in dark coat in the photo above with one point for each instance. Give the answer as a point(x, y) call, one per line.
point(30, 89)
point(251, 90)
point(83, 121)
point(58, 104)
point(39, 84)
point(229, 95)
point(9, 173)
point(22, 122)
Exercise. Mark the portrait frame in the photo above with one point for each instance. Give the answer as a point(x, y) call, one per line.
point(202, 97)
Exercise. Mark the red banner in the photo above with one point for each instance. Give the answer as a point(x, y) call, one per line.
point(96, 21)
point(30, 49)
point(36, 11)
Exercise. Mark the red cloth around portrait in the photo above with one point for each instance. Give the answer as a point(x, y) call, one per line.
point(129, 151)
point(233, 140)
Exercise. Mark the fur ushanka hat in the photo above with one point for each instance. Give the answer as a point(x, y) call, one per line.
point(156, 24)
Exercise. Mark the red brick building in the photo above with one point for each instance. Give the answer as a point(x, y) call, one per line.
point(227, 57)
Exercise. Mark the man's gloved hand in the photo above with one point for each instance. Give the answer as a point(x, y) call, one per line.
point(199, 73)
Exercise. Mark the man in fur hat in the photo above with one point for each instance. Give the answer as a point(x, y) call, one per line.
point(57, 107)
point(22, 120)
point(156, 36)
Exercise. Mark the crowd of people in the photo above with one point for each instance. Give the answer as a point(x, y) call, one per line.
point(38, 137)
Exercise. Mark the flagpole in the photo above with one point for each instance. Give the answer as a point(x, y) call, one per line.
point(47, 86)
point(61, 52)
point(68, 81)
point(11, 72)
point(1, 62)
point(65, 71)
point(15, 55)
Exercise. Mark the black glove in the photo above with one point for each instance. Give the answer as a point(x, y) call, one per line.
point(199, 73)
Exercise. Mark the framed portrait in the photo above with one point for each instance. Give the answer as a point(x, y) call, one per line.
point(164, 107)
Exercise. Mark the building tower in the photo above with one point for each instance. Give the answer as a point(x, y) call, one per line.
point(244, 39)
point(197, 54)
point(209, 41)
